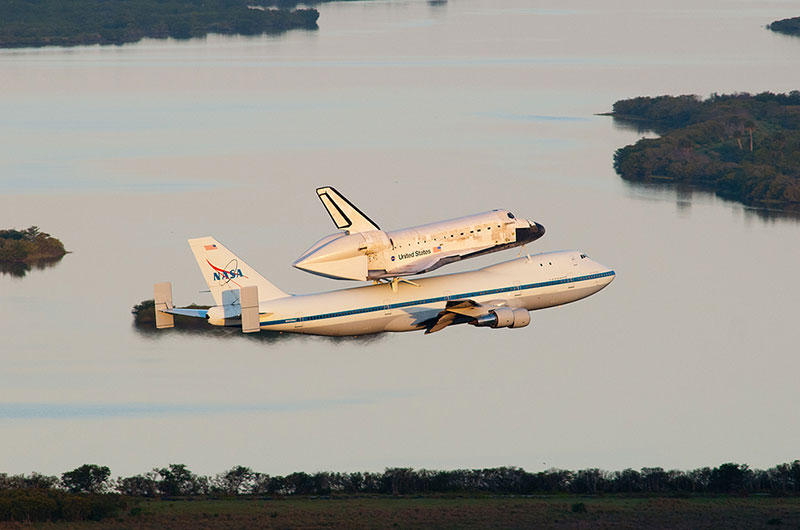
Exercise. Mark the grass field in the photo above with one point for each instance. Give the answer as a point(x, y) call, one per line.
point(459, 512)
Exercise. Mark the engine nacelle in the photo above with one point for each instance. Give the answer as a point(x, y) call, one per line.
point(224, 315)
point(504, 317)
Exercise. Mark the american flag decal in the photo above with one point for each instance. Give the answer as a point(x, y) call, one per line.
point(210, 247)
point(437, 249)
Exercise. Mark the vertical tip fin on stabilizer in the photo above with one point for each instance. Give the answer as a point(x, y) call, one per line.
point(345, 215)
point(162, 294)
point(249, 301)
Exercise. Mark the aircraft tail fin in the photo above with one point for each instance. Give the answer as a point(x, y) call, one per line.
point(224, 271)
point(345, 215)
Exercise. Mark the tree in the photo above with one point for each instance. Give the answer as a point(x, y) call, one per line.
point(398, 480)
point(139, 485)
point(236, 481)
point(178, 480)
point(32, 232)
point(729, 478)
point(300, 483)
point(89, 478)
point(750, 126)
point(260, 484)
point(738, 135)
point(653, 478)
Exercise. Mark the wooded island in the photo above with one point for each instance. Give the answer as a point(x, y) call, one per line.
point(790, 26)
point(743, 147)
point(79, 22)
point(29, 245)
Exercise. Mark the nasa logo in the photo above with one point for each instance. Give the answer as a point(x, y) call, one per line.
point(227, 274)
point(392, 258)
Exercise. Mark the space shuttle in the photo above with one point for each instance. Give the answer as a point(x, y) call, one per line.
point(363, 252)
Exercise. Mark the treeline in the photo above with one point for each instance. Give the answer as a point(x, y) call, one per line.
point(57, 23)
point(176, 480)
point(790, 26)
point(40, 505)
point(744, 147)
point(30, 244)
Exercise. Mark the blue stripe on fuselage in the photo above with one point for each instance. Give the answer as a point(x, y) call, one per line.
point(437, 299)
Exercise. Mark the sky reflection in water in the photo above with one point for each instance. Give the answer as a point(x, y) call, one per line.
point(417, 113)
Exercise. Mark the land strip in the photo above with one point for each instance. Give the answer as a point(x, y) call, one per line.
point(31, 23)
point(555, 512)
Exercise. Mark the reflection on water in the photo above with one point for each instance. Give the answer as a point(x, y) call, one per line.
point(144, 324)
point(638, 126)
point(20, 269)
point(203, 329)
point(686, 194)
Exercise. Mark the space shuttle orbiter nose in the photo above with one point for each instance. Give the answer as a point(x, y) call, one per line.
point(532, 232)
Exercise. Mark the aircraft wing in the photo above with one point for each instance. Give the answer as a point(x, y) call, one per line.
point(345, 215)
point(459, 312)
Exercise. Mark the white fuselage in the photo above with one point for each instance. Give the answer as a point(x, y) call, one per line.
point(540, 281)
point(375, 254)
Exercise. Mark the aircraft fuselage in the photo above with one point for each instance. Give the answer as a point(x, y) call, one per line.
point(536, 282)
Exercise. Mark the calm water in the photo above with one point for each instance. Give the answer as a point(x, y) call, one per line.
point(417, 112)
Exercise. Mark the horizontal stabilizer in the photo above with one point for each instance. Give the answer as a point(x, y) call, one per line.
point(162, 294)
point(194, 313)
point(345, 215)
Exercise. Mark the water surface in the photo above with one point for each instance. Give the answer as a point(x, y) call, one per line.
point(417, 112)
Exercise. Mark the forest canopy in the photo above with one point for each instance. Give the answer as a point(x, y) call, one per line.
point(743, 147)
point(55, 23)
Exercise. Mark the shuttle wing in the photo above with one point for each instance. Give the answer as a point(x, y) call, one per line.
point(344, 214)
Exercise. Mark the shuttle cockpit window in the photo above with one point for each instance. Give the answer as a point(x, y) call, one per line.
point(584, 256)
point(510, 215)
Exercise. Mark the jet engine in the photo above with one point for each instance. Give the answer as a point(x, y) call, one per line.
point(224, 315)
point(504, 317)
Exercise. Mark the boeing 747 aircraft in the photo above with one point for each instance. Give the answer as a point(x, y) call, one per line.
point(498, 296)
point(365, 252)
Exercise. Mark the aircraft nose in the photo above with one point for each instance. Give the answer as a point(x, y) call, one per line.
point(609, 273)
point(533, 232)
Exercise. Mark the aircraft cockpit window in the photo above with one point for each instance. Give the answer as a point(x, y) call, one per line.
point(584, 256)
point(510, 215)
